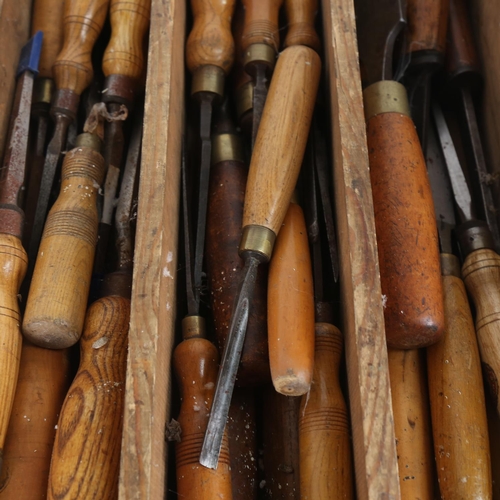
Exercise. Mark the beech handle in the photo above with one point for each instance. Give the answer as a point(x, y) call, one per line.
point(48, 17)
point(124, 53)
point(210, 41)
point(13, 263)
point(461, 441)
point(261, 24)
point(59, 289)
point(281, 138)
point(83, 22)
point(300, 17)
point(290, 308)
point(86, 457)
point(406, 233)
point(481, 274)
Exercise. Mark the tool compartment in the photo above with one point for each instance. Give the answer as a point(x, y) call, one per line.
point(153, 308)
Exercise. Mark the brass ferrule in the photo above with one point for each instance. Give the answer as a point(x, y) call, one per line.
point(257, 239)
point(208, 78)
point(193, 327)
point(450, 265)
point(42, 90)
point(474, 235)
point(87, 140)
point(386, 96)
point(244, 99)
point(226, 147)
point(259, 53)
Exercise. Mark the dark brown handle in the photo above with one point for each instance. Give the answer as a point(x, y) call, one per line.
point(261, 23)
point(300, 15)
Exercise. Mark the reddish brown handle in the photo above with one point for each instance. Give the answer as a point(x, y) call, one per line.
point(290, 302)
point(300, 16)
point(406, 233)
point(261, 23)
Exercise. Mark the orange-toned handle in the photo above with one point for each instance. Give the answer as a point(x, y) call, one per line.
point(129, 23)
point(461, 442)
point(48, 17)
point(406, 233)
point(300, 16)
point(325, 446)
point(13, 263)
point(282, 136)
point(83, 22)
point(58, 295)
point(210, 41)
point(196, 365)
point(41, 389)
point(261, 23)
point(412, 424)
point(290, 308)
point(86, 457)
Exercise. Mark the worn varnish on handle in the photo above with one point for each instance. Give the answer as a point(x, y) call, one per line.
point(300, 16)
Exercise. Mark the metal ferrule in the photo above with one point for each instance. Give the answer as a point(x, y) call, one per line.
point(208, 78)
point(226, 147)
point(11, 220)
point(43, 88)
point(474, 235)
point(119, 89)
point(259, 53)
point(91, 141)
point(244, 99)
point(450, 265)
point(193, 327)
point(259, 240)
point(386, 96)
point(65, 102)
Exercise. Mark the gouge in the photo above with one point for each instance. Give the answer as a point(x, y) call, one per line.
point(13, 256)
point(459, 423)
point(276, 160)
point(404, 211)
point(260, 44)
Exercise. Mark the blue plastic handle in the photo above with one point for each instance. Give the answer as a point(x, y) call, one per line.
point(30, 55)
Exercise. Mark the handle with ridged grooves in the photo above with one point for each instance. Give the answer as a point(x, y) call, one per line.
point(300, 16)
point(261, 23)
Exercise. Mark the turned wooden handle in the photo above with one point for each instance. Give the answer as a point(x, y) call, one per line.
point(261, 23)
point(13, 263)
point(282, 136)
point(324, 441)
point(48, 17)
point(224, 268)
point(300, 17)
point(129, 23)
point(196, 364)
point(59, 289)
point(406, 233)
point(41, 389)
point(459, 423)
point(290, 306)
point(210, 41)
point(412, 424)
point(83, 22)
point(86, 457)
point(481, 274)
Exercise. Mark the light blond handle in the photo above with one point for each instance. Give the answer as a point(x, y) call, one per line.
point(282, 136)
point(59, 289)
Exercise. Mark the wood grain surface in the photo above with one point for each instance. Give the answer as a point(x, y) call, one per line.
point(301, 17)
point(261, 23)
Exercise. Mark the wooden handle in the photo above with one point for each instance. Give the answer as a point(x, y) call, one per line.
point(300, 16)
point(406, 233)
point(210, 41)
point(48, 17)
point(261, 23)
point(124, 53)
point(86, 457)
point(41, 388)
point(13, 263)
point(224, 267)
point(83, 22)
point(282, 136)
point(325, 446)
point(59, 289)
point(411, 424)
point(481, 274)
point(290, 304)
point(196, 365)
point(459, 424)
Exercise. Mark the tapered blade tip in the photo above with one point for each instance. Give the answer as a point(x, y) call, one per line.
point(208, 459)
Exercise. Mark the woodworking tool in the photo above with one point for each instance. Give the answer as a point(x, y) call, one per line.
point(260, 44)
point(461, 445)
point(404, 213)
point(462, 65)
point(481, 264)
point(300, 16)
point(13, 256)
point(276, 159)
point(83, 22)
